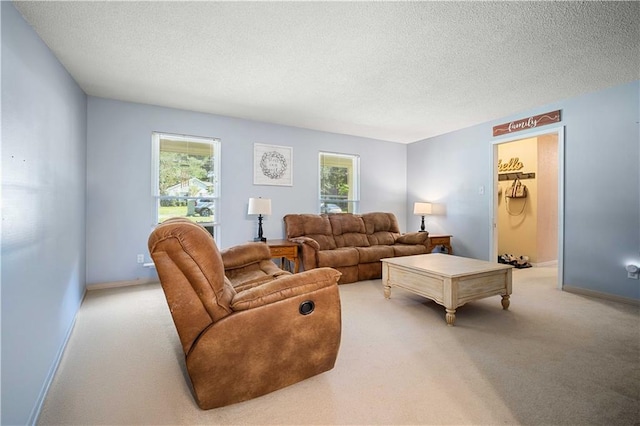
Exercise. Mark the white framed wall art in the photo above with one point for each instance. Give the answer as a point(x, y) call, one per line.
point(272, 165)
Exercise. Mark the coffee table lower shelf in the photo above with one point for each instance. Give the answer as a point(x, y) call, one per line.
point(450, 281)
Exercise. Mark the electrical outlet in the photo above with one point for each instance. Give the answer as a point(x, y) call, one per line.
point(141, 258)
point(632, 275)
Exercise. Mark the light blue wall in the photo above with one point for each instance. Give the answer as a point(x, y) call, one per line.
point(120, 211)
point(43, 214)
point(602, 187)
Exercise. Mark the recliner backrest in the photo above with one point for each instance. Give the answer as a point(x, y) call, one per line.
point(192, 276)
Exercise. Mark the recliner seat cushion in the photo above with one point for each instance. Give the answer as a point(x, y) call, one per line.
point(273, 291)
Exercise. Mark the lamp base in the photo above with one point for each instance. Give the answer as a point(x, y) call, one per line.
point(260, 237)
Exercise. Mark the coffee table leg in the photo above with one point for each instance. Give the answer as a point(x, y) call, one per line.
point(450, 316)
point(387, 291)
point(505, 301)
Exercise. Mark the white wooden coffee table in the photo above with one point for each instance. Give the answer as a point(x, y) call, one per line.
point(450, 281)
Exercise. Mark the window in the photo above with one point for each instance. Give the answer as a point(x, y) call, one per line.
point(186, 178)
point(339, 183)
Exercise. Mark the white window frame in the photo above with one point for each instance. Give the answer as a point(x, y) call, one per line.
point(354, 187)
point(213, 225)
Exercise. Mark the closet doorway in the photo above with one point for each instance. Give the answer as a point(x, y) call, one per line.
point(530, 226)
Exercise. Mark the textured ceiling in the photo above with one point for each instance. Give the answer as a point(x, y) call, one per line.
point(397, 71)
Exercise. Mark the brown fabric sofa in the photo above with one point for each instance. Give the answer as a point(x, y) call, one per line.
point(352, 244)
point(249, 332)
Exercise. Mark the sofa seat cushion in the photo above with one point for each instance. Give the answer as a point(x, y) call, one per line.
point(374, 253)
point(408, 250)
point(346, 256)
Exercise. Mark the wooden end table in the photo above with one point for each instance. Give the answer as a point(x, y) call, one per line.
point(439, 240)
point(285, 249)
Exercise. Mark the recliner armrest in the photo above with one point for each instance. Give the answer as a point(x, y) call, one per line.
point(245, 254)
point(285, 287)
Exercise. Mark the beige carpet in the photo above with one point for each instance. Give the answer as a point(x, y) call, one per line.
point(552, 358)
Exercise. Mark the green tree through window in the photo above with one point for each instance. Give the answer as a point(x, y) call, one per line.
point(177, 168)
point(339, 183)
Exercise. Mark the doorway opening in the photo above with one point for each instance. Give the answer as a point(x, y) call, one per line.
point(531, 225)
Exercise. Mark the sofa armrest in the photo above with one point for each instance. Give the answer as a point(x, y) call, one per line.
point(306, 240)
point(413, 238)
point(309, 249)
point(285, 287)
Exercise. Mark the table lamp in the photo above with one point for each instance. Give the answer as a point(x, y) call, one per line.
point(259, 206)
point(422, 209)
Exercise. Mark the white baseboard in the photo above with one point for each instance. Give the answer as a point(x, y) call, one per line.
point(37, 408)
point(116, 284)
point(598, 295)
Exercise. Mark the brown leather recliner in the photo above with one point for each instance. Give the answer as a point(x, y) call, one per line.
point(271, 330)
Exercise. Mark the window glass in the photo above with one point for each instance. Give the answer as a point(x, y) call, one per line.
point(186, 180)
point(339, 183)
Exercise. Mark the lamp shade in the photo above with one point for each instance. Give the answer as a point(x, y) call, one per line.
point(421, 209)
point(259, 206)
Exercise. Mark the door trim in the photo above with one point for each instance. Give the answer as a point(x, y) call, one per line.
point(493, 245)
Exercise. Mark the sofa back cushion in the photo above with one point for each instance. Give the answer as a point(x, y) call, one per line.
point(313, 226)
point(348, 230)
point(381, 228)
